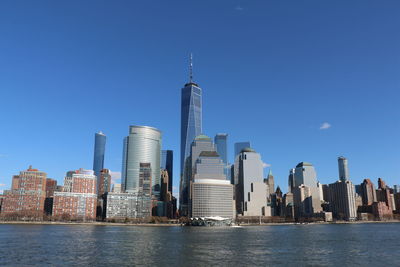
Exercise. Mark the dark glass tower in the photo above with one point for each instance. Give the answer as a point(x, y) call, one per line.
point(167, 163)
point(191, 116)
point(191, 122)
point(220, 141)
point(99, 150)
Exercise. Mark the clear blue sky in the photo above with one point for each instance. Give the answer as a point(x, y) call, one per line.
point(272, 73)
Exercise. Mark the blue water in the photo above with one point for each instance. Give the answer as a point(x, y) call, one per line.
point(286, 245)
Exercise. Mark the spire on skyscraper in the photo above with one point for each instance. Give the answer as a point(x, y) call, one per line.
point(191, 68)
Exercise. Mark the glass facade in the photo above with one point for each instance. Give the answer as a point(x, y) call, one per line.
point(99, 150)
point(167, 163)
point(191, 118)
point(143, 145)
point(241, 145)
point(221, 144)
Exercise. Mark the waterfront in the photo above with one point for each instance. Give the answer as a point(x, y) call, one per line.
point(287, 245)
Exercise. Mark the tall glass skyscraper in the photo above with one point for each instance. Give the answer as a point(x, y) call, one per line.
point(220, 141)
point(142, 146)
point(191, 116)
point(99, 150)
point(167, 163)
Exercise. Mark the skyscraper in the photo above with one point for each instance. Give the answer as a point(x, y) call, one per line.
point(342, 200)
point(251, 191)
point(241, 145)
point(212, 194)
point(99, 150)
point(191, 115)
point(306, 191)
point(305, 174)
point(220, 141)
point(167, 163)
point(142, 146)
point(343, 169)
point(200, 144)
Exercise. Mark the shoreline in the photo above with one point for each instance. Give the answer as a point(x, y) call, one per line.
point(180, 225)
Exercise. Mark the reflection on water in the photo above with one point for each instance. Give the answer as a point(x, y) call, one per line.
point(300, 245)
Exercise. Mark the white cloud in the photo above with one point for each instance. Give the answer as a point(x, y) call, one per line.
point(1, 185)
point(325, 126)
point(238, 8)
point(266, 165)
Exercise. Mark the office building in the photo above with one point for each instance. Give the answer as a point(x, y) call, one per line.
point(79, 198)
point(191, 115)
point(270, 182)
point(167, 163)
point(342, 200)
point(27, 196)
point(305, 175)
point(343, 169)
point(251, 191)
point(221, 145)
point(142, 146)
point(211, 193)
point(200, 144)
point(99, 151)
point(239, 146)
point(291, 182)
point(306, 191)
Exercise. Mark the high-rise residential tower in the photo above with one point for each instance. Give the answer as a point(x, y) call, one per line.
point(343, 169)
point(191, 115)
point(99, 150)
point(142, 146)
point(28, 194)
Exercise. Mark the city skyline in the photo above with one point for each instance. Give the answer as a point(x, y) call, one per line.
point(323, 127)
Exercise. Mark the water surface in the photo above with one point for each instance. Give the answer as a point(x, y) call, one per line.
point(286, 245)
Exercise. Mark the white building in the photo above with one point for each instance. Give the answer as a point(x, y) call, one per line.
point(211, 193)
point(251, 191)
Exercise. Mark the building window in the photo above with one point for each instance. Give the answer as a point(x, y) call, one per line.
point(248, 196)
point(251, 187)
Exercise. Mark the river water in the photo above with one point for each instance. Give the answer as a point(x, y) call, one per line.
point(287, 245)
